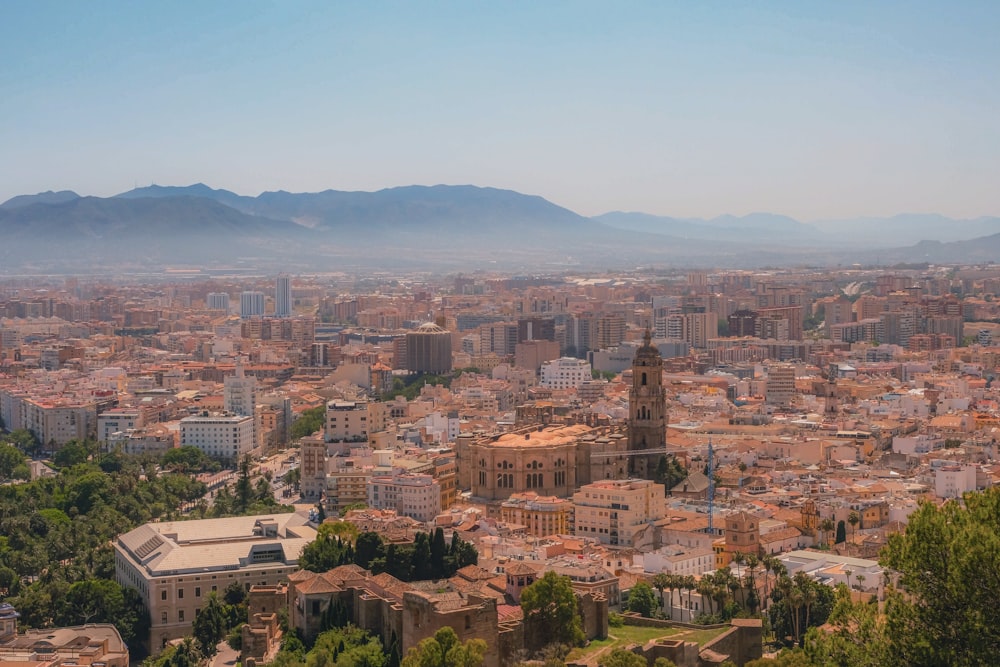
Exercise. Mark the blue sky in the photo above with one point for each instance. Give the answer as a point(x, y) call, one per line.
point(815, 110)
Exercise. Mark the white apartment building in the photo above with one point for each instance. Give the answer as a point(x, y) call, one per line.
point(414, 495)
point(120, 421)
point(677, 559)
point(174, 566)
point(565, 373)
point(221, 436)
point(952, 481)
point(619, 511)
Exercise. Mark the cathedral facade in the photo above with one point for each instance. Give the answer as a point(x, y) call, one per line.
point(556, 459)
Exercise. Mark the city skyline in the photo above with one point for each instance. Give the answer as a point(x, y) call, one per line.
point(686, 111)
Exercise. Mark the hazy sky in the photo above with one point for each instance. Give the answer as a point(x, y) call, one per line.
point(815, 110)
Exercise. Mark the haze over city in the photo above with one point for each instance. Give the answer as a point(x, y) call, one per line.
point(677, 109)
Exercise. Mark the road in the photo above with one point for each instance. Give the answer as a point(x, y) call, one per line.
point(226, 657)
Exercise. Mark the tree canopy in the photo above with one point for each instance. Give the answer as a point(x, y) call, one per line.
point(551, 612)
point(445, 650)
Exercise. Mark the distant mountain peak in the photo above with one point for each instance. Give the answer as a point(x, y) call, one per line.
point(47, 197)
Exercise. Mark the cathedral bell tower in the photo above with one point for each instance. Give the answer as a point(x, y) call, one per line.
point(647, 405)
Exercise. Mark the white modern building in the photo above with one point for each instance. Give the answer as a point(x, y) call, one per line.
point(117, 421)
point(565, 373)
point(222, 436)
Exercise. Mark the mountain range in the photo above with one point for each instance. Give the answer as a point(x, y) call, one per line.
point(460, 226)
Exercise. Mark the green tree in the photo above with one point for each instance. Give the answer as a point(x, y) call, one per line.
point(857, 635)
point(10, 459)
point(551, 613)
point(619, 657)
point(93, 601)
point(445, 650)
point(309, 422)
point(642, 600)
point(947, 562)
point(209, 626)
point(439, 549)
point(841, 532)
point(71, 454)
point(368, 547)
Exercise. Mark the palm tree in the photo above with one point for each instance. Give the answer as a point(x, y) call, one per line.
point(661, 581)
point(861, 582)
point(854, 519)
point(689, 584)
point(808, 590)
point(739, 558)
point(827, 526)
point(795, 601)
point(849, 573)
point(769, 562)
point(674, 582)
point(705, 588)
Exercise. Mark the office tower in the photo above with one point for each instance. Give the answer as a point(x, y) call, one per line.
point(283, 296)
point(251, 303)
point(217, 301)
point(428, 349)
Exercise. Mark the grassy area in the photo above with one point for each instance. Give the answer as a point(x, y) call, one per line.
point(633, 634)
point(702, 637)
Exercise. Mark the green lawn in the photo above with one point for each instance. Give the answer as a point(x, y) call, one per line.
point(633, 634)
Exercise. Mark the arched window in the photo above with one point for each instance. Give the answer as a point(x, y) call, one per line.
point(644, 379)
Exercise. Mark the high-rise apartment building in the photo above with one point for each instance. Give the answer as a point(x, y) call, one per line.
point(251, 304)
point(283, 296)
point(217, 301)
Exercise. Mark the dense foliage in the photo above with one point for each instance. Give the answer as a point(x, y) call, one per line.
point(56, 533)
point(944, 611)
point(309, 422)
point(642, 600)
point(551, 612)
point(429, 557)
point(445, 650)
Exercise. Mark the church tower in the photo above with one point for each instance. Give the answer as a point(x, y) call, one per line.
point(647, 405)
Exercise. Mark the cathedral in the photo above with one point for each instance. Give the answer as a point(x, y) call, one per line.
point(647, 404)
point(555, 459)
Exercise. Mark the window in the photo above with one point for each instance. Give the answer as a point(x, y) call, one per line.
point(197, 591)
point(163, 594)
point(163, 618)
point(180, 616)
point(180, 593)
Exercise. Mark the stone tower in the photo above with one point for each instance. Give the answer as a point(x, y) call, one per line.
point(647, 405)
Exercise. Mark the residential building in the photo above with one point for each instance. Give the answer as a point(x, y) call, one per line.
point(417, 496)
point(540, 515)
point(217, 301)
point(283, 296)
point(619, 512)
point(251, 304)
